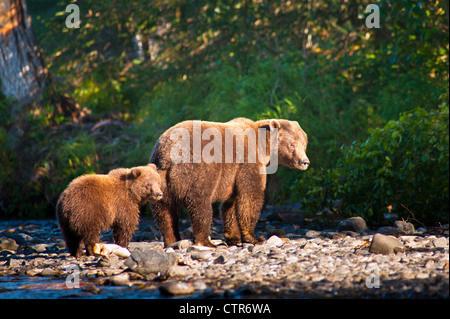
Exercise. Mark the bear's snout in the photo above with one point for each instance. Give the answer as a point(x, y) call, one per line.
point(303, 164)
point(158, 196)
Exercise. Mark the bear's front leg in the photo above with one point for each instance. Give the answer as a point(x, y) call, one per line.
point(250, 185)
point(166, 216)
point(248, 209)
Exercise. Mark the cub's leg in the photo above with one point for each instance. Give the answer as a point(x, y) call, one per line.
point(124, 228)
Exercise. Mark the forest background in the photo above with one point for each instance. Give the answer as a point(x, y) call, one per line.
point(373, 101)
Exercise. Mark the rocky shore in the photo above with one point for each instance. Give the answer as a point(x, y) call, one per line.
point(349, 261)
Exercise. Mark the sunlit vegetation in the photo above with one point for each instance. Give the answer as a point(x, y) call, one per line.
point(137, 67)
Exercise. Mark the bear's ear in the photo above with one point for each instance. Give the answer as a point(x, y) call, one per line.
point(135, 173)
point(269, 124)
point(152, 165)
point(274, 124)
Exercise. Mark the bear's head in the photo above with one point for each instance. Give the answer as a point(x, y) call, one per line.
point(291, 142)
point(145, 183)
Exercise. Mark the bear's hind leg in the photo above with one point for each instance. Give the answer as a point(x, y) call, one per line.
point(201, 214)
point(231, 229)
point(74, 242)
point(74, 245)
point(89, 241)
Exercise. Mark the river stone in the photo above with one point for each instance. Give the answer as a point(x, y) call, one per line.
point(408, 228)
point(8, 244)
point(122, 279)
point(220, 260)
point(151, 261)
point(273, 241)
point(181, 244)
point(40, 248)
point(382, 244)
point(49, 272)
point(176, 288)
point(440, 242)
point(312, 234)
point(356, 224)
point(201, 255)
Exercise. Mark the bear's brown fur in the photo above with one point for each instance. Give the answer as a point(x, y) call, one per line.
point(94, 203)
point(238, 186)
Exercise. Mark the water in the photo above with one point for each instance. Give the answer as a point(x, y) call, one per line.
point(51, 288)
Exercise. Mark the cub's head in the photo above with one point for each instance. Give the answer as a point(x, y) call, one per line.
point(291, 142)
point(145, 183)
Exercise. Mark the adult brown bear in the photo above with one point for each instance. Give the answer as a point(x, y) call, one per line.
point(205, 162)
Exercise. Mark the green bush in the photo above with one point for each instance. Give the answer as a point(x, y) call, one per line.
point(405, 163)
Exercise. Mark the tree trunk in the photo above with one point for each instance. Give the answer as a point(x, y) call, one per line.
point(23, 76)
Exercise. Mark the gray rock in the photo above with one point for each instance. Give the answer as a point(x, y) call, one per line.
point(382, 244)
point(33, 272)
point(408, 228)
point(349, 233)
point(40, 248)
point(440, 242)
point(312, 233)
point(8, 244)
point(93, 289)
point(220, 260)
point(181, 271)
point(199, 285)
point(273, 241)
point(20, 238)
point(122, 279)
point(151, 261)
point(198, 248)
point(104, 261)
point(109, 261)
point(13, 262)
point(181, 244)
point(145, 246)
point(177, 288)
point(61, 244)
point(356, 224)
point(429, 264)
point(201, 255)
point(49, 272)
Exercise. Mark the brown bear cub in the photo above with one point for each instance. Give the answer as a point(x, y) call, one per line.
point(93, 203)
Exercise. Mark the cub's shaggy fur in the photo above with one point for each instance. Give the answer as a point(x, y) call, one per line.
point(94, 203)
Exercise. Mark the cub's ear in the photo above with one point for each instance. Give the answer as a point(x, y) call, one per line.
point(135, 173)
point(152, 165)
point(274, 124)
